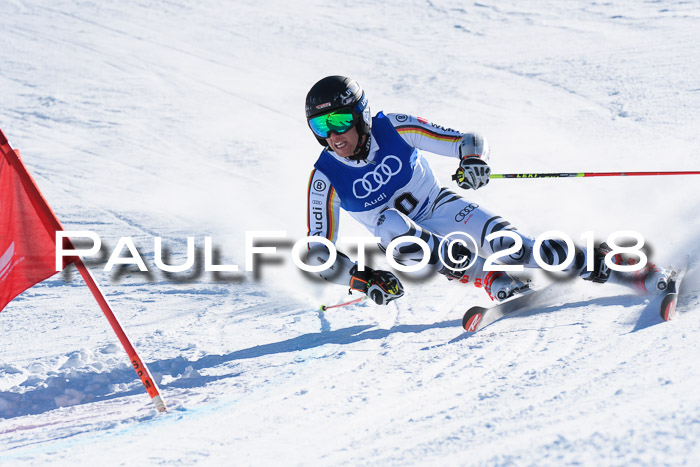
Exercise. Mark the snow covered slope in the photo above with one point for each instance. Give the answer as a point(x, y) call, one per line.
point(183, 118)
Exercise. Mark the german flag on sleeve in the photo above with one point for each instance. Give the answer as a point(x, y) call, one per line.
point(419, 130)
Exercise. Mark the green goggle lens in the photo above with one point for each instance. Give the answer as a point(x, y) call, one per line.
point(339, 121)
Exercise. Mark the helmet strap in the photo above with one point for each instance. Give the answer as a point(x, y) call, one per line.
point(362, 148)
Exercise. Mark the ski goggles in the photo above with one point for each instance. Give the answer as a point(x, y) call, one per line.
point(339, 121)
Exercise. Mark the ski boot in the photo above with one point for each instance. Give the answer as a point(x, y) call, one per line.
point(649, 279)
point(652, 278)
point(497, 284)
point(500, 286)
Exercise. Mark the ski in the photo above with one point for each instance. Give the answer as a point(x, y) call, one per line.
point(478, 317)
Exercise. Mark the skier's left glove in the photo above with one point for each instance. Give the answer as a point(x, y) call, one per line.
point(472, 174)
point(380, 286)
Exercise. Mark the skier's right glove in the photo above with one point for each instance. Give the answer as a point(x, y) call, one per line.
point(380, 286)
point(472, 174)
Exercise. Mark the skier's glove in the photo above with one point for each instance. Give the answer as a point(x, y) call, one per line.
point(472, 174)
point(380, 286)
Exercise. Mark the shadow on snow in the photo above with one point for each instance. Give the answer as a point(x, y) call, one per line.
point(79, 387)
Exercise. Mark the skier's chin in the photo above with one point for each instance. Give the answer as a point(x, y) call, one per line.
point(345, 150)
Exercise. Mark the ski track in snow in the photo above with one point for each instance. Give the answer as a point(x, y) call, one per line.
point(179, 119)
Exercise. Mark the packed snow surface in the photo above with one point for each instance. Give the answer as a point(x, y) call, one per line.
point(179, 119)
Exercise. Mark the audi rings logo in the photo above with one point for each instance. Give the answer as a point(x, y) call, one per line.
point(380, 176)
point(465, 211)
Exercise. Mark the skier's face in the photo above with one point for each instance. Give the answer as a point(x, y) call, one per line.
point(344, 145)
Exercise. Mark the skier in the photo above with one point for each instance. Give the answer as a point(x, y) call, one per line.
point(374, 168)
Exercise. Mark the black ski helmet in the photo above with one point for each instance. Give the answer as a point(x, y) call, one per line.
point(339, 92)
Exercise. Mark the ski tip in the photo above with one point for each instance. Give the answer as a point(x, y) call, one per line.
point(668, 306)
point(471, 320)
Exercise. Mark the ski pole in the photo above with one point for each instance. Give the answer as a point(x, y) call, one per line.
point(351, 302)
point(590, 174)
